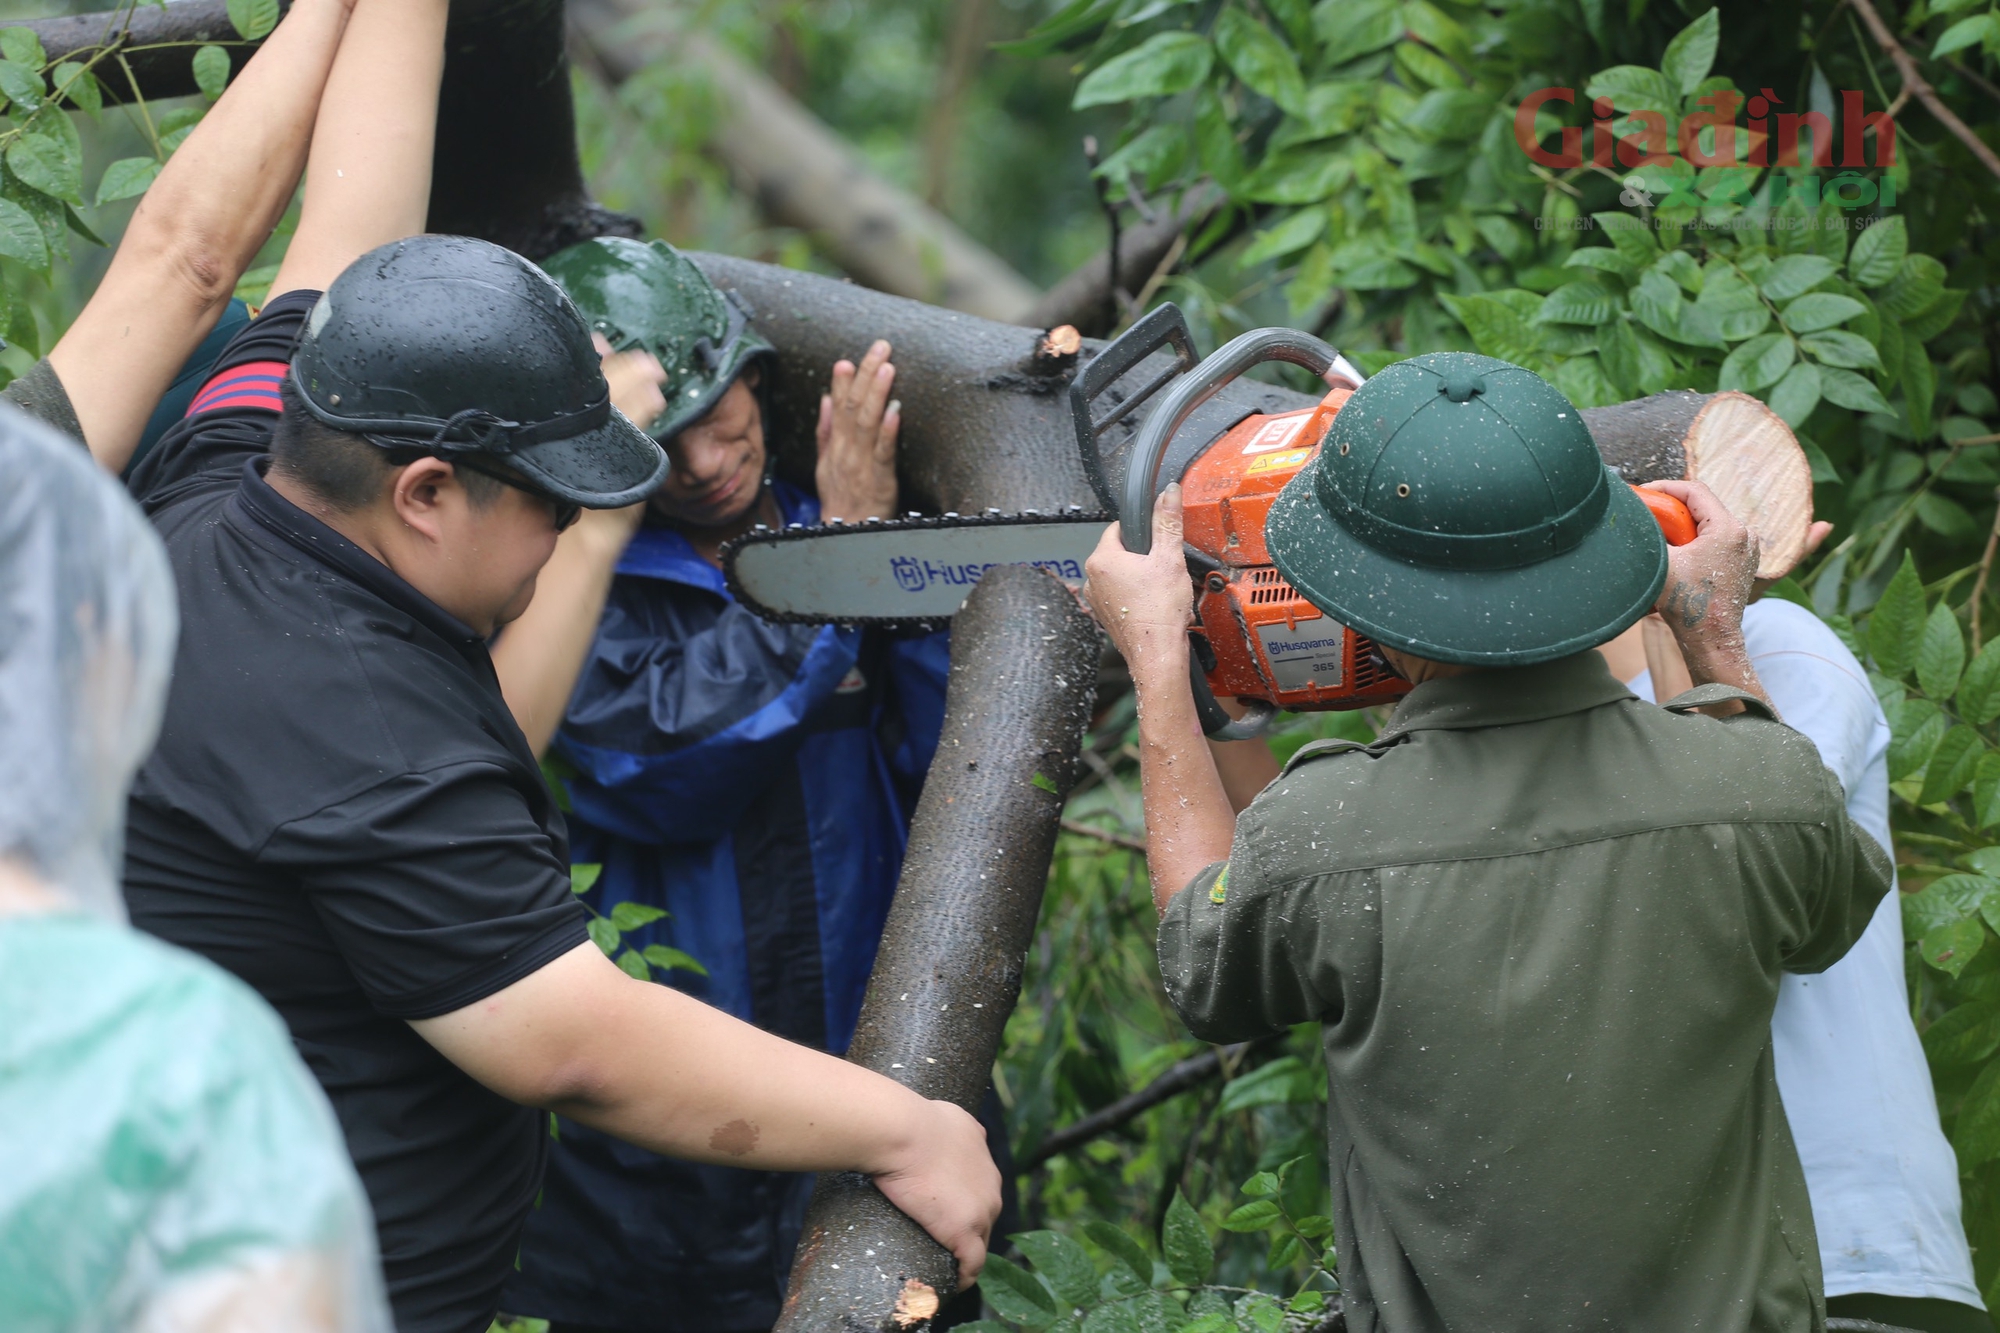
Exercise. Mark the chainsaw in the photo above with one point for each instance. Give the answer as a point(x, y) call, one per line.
point(1255, 639)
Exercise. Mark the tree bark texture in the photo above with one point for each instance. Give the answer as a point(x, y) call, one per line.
point(803, 175)
point(1730, 442)
point(1023, 675)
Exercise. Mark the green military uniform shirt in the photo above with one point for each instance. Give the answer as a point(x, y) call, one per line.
point(1542, 925)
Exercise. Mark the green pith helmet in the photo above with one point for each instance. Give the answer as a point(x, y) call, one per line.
point(1459, 510)
point(648, 295)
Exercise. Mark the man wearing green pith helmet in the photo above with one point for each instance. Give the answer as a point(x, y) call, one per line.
point(1541, 923)
point(751, 781)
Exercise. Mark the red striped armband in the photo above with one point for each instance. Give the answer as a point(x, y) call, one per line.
point(253, 384)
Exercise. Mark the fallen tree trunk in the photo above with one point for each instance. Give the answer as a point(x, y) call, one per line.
point(804, 175)
point(1730, 442)
point(1023, 674)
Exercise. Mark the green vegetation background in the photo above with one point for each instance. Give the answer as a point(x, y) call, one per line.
point(1366, 183)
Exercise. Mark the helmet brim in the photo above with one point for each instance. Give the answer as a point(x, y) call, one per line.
point(606, 467)
point(1500, 617)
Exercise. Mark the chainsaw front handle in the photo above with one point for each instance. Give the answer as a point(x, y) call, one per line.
point(1197, 386)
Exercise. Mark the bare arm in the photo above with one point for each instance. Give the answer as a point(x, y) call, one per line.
point(1145, 603)
point(1709, 583)
point(369, 179)
point(194, 233)
point(539, 656)
point(664, 1071)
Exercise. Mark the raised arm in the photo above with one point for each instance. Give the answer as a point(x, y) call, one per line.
point(194, 233)
point(369, 180)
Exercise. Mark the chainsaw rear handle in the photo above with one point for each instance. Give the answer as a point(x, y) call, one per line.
point(1197, 386)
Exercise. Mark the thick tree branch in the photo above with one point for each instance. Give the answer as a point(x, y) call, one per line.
point(803, 175)
point(159, 44)
point(1915, 84)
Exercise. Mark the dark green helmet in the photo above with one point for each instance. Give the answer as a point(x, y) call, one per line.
point(1459, 510)
point(648, 295)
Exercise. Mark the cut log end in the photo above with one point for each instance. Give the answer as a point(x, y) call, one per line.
point(1730, 442)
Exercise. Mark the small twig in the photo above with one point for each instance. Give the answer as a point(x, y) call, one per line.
point(1129, 843)
point(1189, 1073)
point(1555, 180)
point(1161, 272)
point(1973, 77)
point(1985, 568)
point(1113, 288)
point(1914, 82)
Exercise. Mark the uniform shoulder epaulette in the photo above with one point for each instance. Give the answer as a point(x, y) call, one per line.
point(1322, 749)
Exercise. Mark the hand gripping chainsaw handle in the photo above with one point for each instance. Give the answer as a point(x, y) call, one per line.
point(1142, 476)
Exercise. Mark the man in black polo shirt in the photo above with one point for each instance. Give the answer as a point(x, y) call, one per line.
point(341, 809)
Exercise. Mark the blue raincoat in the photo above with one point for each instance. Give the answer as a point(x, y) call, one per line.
point(756, 782)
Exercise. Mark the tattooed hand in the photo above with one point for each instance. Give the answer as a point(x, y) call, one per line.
point(1709, 582)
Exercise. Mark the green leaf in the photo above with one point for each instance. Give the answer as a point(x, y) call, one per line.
point(1635, 88)
point(211, 71)
point(1797, 394)
point(1936, 317)
point(1122, 1246)
point(632, 965)
point(1953, 898)
point(253, 19)
point(1262, 61)
point(1184, 1240)
point(1844, 388)
point(1603, 258)
point(1632, 238)
point(80, 227)
point(1263, 1185)
point(1293, 234)
point(1287, 1081)
point(48, 164)
point(1757, 364)
point(1918, 726)
point(1838, 347)
point(1919, 388)
point(1964, 1036)
point(1795, 275)
point(1691, 53)
point(1449, 114)
point(1165, 63)
point(1976, 1137)
point(1577, 303)
point(1950, 948)
point(603, 934)
point(21, 84)
point(1819, 310)
point(23, 47)
point(1256, 1215)
point(1952, 765)
point(1350, 29)
point(21, 238)
point(1042, 781)
point(583, 878)
point(1878, 252)
point(1986, 791)
point(1111, 1317)
point(1940, 653)
point(1966, 32)
point(631, 916)
point(1979, 691)
point(668, 959)
point(1495, 328)
point(1063, 1264)
point(79, 86)
point(1304, 176)
point(1286, 1250)
point(1919, 281)
point(1897, 620)
point(1584, 382)
point(1945, 516)
point(1015, 1293)
point(126, 177)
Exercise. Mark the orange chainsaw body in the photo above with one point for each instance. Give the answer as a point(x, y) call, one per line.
point(1267, 641)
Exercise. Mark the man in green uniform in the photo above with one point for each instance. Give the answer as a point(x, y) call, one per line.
point(1541, 923)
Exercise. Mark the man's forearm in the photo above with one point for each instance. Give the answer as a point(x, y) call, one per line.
point(539, 656)
point(1189, 823)
point(194, 232)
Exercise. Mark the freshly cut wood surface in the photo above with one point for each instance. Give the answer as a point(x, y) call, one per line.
point(1731, 442)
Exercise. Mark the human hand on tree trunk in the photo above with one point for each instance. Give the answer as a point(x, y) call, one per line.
point(858, 421)
point(1709, 582)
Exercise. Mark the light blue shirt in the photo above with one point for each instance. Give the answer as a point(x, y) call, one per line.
point(1851, 1071)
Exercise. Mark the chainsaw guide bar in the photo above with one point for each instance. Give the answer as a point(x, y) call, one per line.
point(914, 571)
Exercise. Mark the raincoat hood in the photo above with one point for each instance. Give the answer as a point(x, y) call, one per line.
point(87, 628)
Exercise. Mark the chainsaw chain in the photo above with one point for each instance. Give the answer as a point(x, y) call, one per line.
point(766, 536)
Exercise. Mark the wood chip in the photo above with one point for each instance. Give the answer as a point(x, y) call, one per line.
point(917, 1303)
